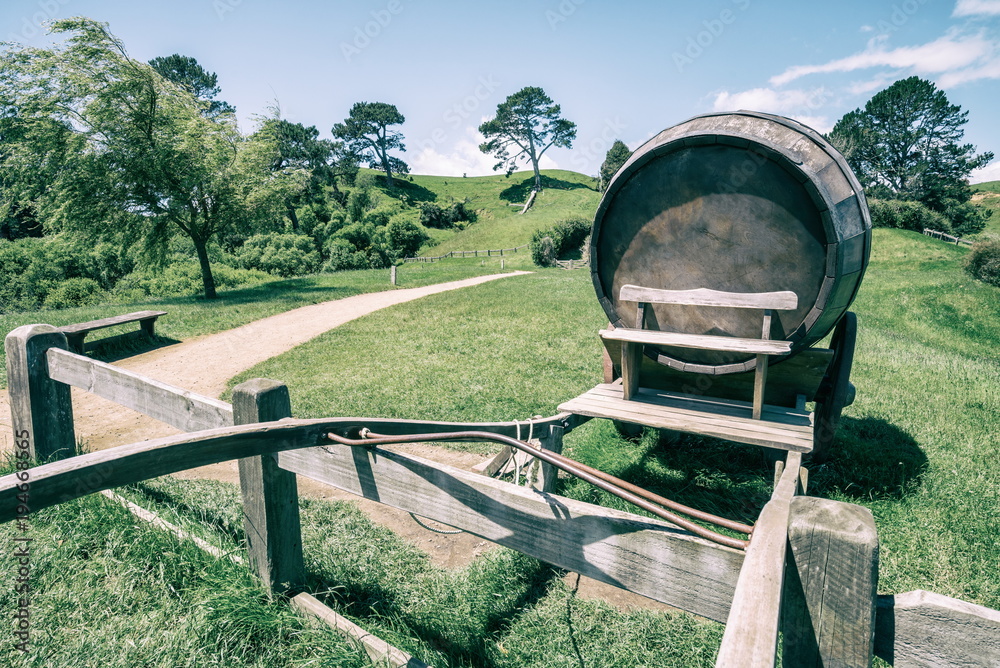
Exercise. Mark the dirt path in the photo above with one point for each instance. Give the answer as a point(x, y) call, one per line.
point(205, 364)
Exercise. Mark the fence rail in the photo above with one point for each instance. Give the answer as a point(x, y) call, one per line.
point(471, 253)
point(935, 234)
point(819, 589)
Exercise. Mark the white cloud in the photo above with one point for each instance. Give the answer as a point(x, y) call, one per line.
point(977, 8)
point(988, 70)
point(947, 54)
point(990, 172)
point(795, 103)
point(463, 157)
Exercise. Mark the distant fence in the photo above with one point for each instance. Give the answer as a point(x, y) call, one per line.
point(471, 253)
point(946, 237)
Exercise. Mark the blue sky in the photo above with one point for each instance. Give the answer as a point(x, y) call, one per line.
point(619, 69)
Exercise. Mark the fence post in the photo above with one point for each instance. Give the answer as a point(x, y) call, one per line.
point(831, 578)
point(392, 274)
point(547, 473)
point(41, 409)
point(270, 494)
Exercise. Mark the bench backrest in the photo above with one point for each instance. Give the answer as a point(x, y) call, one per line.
point(779, 301)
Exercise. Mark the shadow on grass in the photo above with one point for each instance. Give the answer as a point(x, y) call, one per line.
point(871, 459)
point(462, 631)
point(210, 516)
point(117, 349)
point(518, 193)
point(414, 191)
point(292, 287)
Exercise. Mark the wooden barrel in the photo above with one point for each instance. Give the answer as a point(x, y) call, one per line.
point(738, 202)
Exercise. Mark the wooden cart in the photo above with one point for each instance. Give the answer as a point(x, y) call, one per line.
point(724, 249)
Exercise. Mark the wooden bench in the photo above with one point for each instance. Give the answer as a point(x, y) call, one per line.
point(75, 334)
point(716, 411)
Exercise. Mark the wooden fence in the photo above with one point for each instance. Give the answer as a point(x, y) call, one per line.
point(472, 253)
point(946, 237)
point(810, 571)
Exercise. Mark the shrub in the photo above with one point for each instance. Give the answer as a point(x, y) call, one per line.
point(563, 237)
point(906, 215)
point(431, 215)
point(182, 278)
point(343, 256)
point(983, 262)
point(543, 252)
point(74, 292)
point(280, 254)
point(402, 238)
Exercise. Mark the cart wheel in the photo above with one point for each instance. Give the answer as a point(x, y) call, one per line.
point(837, 391)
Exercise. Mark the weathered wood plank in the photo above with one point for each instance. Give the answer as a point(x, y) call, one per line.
point(920, 629)
point(645, 556)
point(799, 374)
point(378, 650)
point(176, 406)
point(548, 474)
point(41, 410)
point(728, 419)
point(828, 616)
point(698, 341)
point(751, 636)
point(91, 325)
point(631, 362)
point(66, 480)
point(270, 494)
point(783, 300)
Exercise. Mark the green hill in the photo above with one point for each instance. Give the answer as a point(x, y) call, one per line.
point(987, 195)
point(497, 201)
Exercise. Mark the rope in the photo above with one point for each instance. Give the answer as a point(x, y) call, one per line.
point(416, 519)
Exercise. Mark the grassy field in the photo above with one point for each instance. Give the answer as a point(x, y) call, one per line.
point(195, 316)
point(988, 196)
point(499, 225)
point(917, 448)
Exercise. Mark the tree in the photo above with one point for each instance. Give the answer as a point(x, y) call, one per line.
point(906, 144)
point(616, 157)
point(527, 124)
point(186, 72)
point(134, 158)
point(300, 148)
point(366, 133)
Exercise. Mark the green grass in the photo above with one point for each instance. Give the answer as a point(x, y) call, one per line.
point(500, 225)
point(989, 200)
point(110, 590)
point(190, 316)
point(918, 447)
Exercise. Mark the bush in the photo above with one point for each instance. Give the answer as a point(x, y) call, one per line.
point(343, 256)
point(906, 215)
point(543, 252)
point(402, 238)
point(983, 262)
point(182, 278)
point(563, 237)
point(280, 254)
point(74, 292)
point(31, 268)
point(431, 215)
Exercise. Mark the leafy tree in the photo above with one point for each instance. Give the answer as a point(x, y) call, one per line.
point(300, 148)
point(185, 71)
point(526, 125)
point(133, 157)
point(616, 157)
point(906, 144)
point(366, 133)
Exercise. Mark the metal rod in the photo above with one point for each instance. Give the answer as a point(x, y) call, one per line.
point(604, 481)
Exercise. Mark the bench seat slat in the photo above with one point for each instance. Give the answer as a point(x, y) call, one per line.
point(780, 428)
point(781, 301)
point(700, 341)
point(110, 322)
